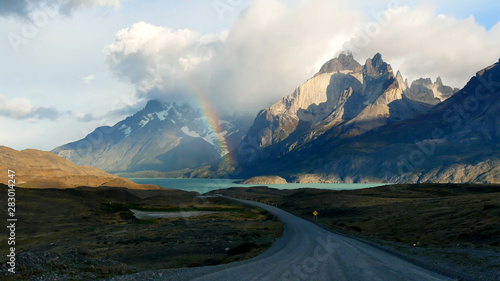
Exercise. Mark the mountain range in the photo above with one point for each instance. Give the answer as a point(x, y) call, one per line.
point(161, 137)
point(388, 133)
point(344, 99)
point(347, 123)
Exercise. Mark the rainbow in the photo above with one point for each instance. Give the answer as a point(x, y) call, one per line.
point(211, 121)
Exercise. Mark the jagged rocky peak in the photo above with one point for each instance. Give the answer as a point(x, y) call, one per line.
point(439, 81)
point(344, 97)
point(344, 62)
point(424, 90)
point(402, 82)
point(376, 66)
point(155, 105)
point(422, 84)
point(399, 76)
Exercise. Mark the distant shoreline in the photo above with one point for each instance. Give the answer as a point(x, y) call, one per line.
point(207, 185)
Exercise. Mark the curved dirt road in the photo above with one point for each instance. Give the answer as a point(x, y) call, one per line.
point(306, 252)
point(309, 252)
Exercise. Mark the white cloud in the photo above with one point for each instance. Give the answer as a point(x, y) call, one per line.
point(21, 108)
point(15, 108)
point(267, 52)
point(88, 79)
point(421, 43)
point(271, 48)
point(157, 58)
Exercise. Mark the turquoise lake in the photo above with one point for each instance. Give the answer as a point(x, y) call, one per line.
point(205, 185)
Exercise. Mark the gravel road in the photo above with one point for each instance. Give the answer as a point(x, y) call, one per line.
point(304, 252)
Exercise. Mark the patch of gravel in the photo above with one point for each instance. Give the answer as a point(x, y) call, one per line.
point(72, 265)
point(461, 263)
point(175, 274)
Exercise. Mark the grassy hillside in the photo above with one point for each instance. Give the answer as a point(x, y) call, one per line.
point(41, 169)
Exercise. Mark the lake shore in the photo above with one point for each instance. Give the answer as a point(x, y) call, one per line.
point(206, 185)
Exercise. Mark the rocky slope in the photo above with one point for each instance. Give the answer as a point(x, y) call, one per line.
point(455, 141)
point(424, 90)
point(40, 169)
point(161, 137)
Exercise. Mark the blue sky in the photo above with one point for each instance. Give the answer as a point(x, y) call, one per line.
point(73, 69)
point(486, 13)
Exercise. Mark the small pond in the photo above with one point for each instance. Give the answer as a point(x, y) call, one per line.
point(149, 215)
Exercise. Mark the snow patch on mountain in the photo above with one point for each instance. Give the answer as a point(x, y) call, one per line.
point(126, 130)
point(190, 133)
point(146, 120)
point(162, 115)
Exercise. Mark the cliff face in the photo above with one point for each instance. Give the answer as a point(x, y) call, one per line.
point(344, 99)
point(367, 125)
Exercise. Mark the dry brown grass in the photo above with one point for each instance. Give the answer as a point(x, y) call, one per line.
point(97, 224)
point(428, 215)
